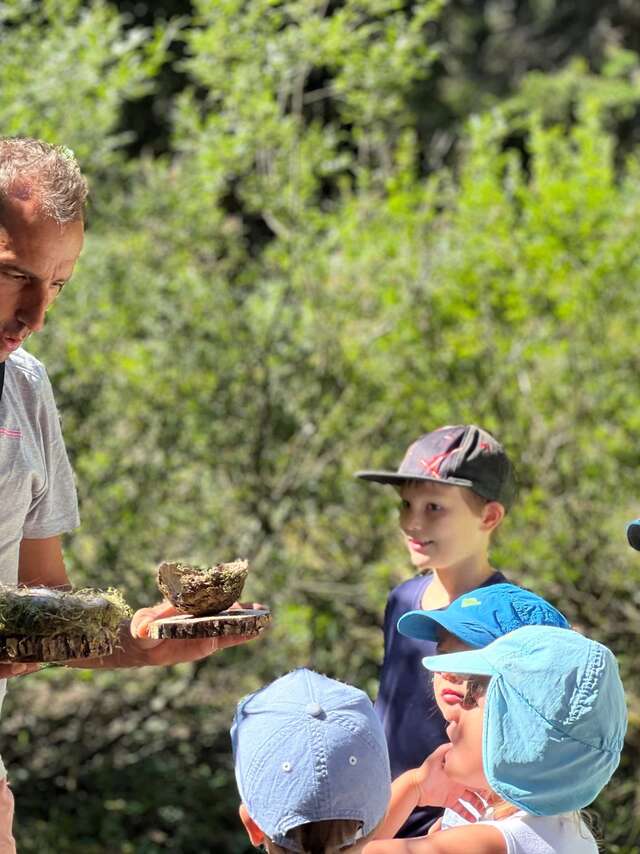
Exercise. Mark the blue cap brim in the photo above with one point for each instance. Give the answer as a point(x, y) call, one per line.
point(421, 625)
point(473, 662)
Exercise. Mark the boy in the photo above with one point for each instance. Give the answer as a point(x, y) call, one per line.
point(455, 485)
point(311, 765)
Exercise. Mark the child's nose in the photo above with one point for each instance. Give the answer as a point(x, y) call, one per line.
point(412, 523)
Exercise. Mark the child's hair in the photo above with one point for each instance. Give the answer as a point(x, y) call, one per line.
point(311, 763)
point(554, 716)
point(476, 502)
point(321, 837)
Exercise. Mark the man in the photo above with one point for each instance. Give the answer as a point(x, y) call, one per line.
point(42, 198)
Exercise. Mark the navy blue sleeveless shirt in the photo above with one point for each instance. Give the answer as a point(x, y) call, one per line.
point(406, 705)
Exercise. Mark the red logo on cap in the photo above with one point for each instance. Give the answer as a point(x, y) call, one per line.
point(432, 465)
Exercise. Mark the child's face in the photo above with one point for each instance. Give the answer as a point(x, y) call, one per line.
point(449, 688)
point(441, 526)
point(463, 762)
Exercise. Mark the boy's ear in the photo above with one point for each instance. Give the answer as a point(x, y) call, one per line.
point(254, 833)
point(492, 514)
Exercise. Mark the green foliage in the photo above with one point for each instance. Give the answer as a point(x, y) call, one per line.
point(66, 70)
point(281, 300)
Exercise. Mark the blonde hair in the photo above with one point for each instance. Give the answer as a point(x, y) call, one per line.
point(499, 807)
point(322, 837)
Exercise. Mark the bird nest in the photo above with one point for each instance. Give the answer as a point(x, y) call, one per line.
point(201, 590)
point(43, 612)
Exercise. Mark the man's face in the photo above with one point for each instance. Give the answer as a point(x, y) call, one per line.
point(37, 257)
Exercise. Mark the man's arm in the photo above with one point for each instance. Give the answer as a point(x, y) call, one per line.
point(42, 563)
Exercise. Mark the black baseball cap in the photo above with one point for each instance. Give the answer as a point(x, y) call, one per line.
point(464, 455)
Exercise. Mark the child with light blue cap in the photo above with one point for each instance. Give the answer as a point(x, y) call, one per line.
point(311, 765)
point(474, 620)
point(539, 734)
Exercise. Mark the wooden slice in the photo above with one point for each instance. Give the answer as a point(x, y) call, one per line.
point(235, 622)
point(58, 648)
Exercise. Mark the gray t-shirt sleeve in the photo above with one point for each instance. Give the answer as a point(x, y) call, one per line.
point(54, 508)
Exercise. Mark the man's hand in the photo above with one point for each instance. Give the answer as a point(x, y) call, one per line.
point(18, 669)
point(41, 563)
point(164, 652)
point(135, 649)
point(145, 616)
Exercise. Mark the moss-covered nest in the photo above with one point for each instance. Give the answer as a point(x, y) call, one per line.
point(200, 590)
point(44, 612)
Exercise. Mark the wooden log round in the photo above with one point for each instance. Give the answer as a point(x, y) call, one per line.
point(234, 622)
point(57, 648)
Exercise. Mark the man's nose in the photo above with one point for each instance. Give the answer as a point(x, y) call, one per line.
point(33, 306)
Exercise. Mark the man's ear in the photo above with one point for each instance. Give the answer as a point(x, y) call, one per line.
point(492, 514)
point(253, 831)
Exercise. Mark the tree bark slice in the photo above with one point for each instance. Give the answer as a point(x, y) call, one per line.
point(235, 622)
point(55, 648)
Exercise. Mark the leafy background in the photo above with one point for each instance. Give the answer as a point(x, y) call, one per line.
point(318, 228)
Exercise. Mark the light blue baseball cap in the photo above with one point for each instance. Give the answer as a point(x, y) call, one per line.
point(308, 748)
point(554, 716)
point(484, 614)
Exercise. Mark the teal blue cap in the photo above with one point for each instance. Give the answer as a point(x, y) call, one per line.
point(484, 614)
point(554, 716)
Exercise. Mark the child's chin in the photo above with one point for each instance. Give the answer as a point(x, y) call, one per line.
point(421, 562)
point(446, 711)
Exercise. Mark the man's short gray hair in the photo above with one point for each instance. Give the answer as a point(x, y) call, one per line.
point(50, 174)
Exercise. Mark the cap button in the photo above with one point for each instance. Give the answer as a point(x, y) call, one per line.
point(314, 709)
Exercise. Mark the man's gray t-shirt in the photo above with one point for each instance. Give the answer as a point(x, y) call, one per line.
point(37, 492)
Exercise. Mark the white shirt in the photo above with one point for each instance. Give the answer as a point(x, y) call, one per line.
point(37, 491)
point(556, 834)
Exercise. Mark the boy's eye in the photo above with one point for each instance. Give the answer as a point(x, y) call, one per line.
point(434, 507)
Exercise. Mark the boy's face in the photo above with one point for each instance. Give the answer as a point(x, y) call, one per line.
point(442, 526)
point(449, 689)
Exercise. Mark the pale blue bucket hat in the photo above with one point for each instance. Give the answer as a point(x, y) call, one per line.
point(308, 748)
point(554, 716)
